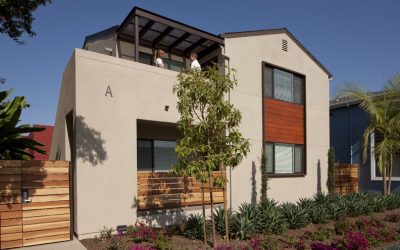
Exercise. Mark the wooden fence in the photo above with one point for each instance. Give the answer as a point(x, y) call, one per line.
point(346, 178)
point(165, 190)
point(34, 203)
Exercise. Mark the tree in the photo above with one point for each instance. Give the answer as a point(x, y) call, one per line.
point(16, 17)
point(264, 177)
point(12, 145)
point(384, 121)
point(330, 182)
point(210, 127)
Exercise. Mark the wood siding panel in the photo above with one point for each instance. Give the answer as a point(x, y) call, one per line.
point(283, 122)
point(165, 190)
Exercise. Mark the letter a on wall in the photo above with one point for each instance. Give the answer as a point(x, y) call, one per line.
point(108, 91)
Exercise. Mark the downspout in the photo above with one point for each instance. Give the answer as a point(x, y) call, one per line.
point(350, 133)
point(227, 59)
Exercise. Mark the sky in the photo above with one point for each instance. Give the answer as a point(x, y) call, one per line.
point(358, 41)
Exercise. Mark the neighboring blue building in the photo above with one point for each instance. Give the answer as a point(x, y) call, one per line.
point(347, 124)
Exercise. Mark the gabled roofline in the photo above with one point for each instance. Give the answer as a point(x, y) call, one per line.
point(277, 31)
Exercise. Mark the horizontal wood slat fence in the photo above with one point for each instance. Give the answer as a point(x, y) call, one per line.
point(346, 178)
point(166, 190)
point(44, 215)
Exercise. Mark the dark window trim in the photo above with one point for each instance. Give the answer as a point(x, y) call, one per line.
point(152, 153)
point(294, 174)
point(294, 73)
point(263, 64)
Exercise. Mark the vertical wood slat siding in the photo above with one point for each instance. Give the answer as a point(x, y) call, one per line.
point(283, 121)
point(47, 217)
point(165, 190)
point(346, 178)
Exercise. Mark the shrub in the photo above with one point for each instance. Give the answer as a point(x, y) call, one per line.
point(355, 241)
point(241, 227)
point(343, 227)
point(143, 233)
point(392, 218)
point(270, 218)
point(295, 216)
point(306, 203)
point(318, 215)
point(105, 234)
point(141, 248)
point(322, 246)
point(320, 235)
point(194, 226)
point(117, 243)
point(220, 219)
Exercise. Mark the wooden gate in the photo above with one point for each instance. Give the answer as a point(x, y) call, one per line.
point(34, 203)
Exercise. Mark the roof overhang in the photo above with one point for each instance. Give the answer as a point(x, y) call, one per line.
point(159, 32)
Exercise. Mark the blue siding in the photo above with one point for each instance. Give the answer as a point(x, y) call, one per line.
point(347, 125)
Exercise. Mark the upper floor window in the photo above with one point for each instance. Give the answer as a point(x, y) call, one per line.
point(283, 85)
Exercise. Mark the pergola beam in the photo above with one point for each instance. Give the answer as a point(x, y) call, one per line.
point(195, 45)
point(179, 41)
point(146, 28)
point(161, 36)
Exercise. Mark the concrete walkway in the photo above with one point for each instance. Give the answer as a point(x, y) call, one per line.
point(66, 245)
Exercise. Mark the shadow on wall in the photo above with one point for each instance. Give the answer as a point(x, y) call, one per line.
point(162, 218)
point(89, 144)
point(253, 183)
point(319, 187)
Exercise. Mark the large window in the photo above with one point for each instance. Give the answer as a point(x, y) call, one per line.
point(155, 155)
point(283, 85)
point(284, 158)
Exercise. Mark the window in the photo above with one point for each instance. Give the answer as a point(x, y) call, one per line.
point(173, 65)
point(283, 85)
point(155, 155)
point(376, 173)
point(284, 158)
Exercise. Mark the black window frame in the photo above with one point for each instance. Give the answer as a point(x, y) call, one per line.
point(295, 74)
point(294, 174)
point(152, 154)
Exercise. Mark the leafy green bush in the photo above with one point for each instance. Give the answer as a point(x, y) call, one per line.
point(318, 215)
point(105, 234)
point(295, 216)
point(194, 226)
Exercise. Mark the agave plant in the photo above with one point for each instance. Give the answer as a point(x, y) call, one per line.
point(241, 227)
point(295, 216)
point(220, 219)
point(306, 203)
point(321, 198)
point(269, 218)
point(248, 210)
point(194, 226)
point(318, 215)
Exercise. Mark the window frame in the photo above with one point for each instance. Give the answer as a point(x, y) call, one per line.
point(152, 155)
point(372, 160)
point(294, 174)
point(295, 74)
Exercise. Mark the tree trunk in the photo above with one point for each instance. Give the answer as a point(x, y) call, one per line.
point(390, 173)
point(225, 207)
point(203, 206)
point(384, 175)
point(212, 214)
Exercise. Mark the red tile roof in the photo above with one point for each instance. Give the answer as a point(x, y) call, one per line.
point(44, 137)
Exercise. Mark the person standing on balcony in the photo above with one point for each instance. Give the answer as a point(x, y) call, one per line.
point(159, 58)
point(195, 64)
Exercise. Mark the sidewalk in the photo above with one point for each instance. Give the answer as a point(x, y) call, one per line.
point(66, 245)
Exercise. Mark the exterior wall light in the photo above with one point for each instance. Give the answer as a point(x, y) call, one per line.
point(121, 228)
point(166, 108)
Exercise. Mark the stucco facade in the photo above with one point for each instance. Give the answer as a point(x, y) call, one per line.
point(103, 96)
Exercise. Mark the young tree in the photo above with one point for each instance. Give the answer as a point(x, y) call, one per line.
point(12, 145)
point(210, 127)
point(264, 177)
point(330, 182)
point(384, 120)
point(16, 17)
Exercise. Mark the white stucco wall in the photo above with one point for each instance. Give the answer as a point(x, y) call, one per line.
point(246, 56)
point(105, 126)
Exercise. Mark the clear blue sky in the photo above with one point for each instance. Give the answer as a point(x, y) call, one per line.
point(357, 40)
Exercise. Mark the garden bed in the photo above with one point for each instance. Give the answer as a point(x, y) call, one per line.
point(351, 222)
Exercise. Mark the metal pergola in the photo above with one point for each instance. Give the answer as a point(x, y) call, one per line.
point(148, 29)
